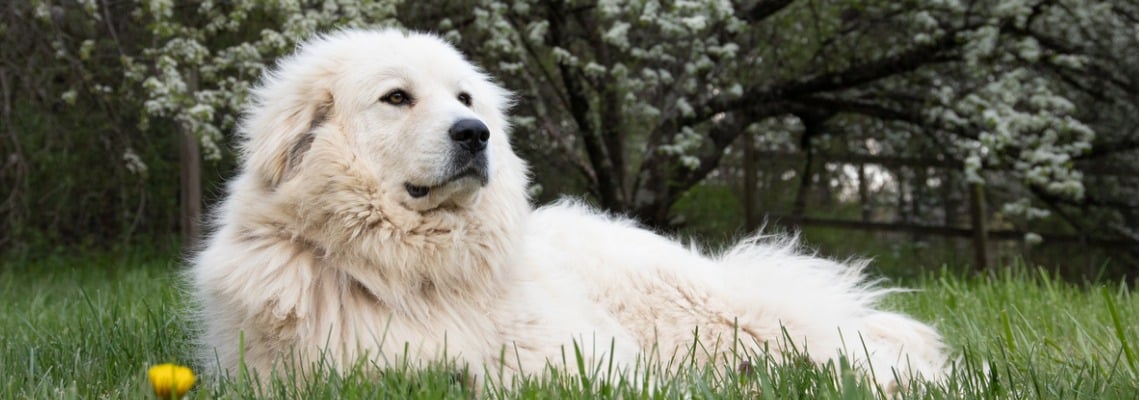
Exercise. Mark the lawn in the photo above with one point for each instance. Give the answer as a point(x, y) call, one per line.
point(88, 327)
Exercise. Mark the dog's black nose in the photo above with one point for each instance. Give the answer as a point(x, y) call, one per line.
point(470, 134)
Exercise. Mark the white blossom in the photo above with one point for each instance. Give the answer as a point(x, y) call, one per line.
point(617, 35)
point(133, 162)
point(564, 57)
point(69, 97)
point(684, 107)
point(594, 69)
point(1033, 239)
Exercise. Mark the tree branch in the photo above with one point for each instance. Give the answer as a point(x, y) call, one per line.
point(861, 107)
point(895, 64)
point(764, 9)
point(1058, 46)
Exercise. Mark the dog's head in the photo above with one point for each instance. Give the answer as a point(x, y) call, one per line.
point(406, 113)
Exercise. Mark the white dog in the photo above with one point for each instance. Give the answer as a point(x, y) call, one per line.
point(381, 215)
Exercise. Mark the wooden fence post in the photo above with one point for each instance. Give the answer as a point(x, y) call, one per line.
point(978, 223)
point(864, 198)
point(750, 222)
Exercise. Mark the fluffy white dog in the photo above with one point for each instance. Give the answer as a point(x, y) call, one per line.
point(381, 215)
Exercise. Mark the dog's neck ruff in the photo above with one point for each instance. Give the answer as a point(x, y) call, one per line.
point(398, 254)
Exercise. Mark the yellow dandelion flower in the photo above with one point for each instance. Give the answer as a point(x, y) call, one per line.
point(170, 379)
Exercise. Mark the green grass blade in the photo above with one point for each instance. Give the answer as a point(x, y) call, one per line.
point(1118, 326)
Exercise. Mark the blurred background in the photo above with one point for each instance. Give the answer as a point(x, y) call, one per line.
point(925, 134)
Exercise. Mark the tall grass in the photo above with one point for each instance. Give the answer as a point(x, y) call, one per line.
point(89, 327)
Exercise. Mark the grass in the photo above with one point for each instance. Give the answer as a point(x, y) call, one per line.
point(89, 327)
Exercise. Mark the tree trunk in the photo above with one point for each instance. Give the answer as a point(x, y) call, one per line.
point(190, 200)
point(901, 208)
point(864, 197)
point(813, 126)
point(824, 193)
point(799, 205)
point(653, 198)
point(607, 182)
point(190, 178)
point(918, 194)
point(949, 199)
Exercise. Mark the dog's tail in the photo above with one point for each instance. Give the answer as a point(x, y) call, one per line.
point(829, 306)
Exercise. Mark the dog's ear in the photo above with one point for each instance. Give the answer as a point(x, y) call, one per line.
point(301, 145)
point(281, 128)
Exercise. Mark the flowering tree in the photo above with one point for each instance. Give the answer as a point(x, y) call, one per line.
point(640, 99)
point(198, 75)
point(154, 70)
point(643, 98)
point(208, 55)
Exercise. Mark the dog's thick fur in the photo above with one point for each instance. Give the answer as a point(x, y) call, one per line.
point(324, 249)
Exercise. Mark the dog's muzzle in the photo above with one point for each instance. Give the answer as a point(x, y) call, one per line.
point(468, 156)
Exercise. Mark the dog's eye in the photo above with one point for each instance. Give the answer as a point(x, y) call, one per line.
point(465, 99)
point(397, 98)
